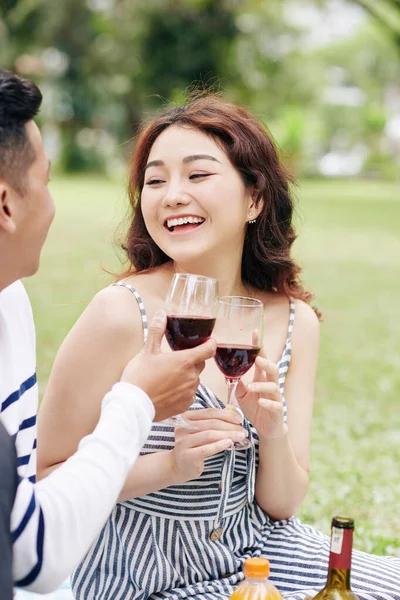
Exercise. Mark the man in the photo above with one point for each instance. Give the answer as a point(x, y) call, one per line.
point(54, 521)
point(8, 487)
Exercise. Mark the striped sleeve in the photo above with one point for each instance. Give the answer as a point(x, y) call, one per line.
point(27, 528)
point(54, 521)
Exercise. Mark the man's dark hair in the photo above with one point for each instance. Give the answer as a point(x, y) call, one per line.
point(20, 100)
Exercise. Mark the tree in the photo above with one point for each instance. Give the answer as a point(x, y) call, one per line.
point(386, 13)
point(120, 58)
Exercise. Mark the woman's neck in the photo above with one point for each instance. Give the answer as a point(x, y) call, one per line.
point(228, 275)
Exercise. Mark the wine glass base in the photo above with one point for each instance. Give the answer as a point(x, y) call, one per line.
point(178, 421)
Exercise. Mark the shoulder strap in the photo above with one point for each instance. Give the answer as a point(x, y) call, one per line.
point(292, 306)
point(142, 309)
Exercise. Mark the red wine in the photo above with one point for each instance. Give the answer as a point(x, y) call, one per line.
point(188, 332)
point(235, 361)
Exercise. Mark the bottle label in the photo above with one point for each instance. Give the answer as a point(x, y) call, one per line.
point(337, 540)
point(341, 545)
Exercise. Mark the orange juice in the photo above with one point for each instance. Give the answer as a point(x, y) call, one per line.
point(256, 585)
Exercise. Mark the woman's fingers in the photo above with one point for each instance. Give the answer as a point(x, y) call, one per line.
point(220, 414)
point(203, 452)
point(259, 371)
point(270, 369)
point(271, 405)
point(256, 338)
point(211, 436)
point(267, 389)
point(216, 424)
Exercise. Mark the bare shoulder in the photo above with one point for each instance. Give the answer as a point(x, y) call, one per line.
point(113, 314)
point(116, 306)
point(306, 324)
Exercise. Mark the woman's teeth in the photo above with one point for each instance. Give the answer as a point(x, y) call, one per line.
point(184, 221)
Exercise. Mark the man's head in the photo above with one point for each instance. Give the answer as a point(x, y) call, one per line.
point(26, 206)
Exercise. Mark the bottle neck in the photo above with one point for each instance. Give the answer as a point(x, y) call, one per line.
point(338, 579)
point(256, 580)
point(340, 558)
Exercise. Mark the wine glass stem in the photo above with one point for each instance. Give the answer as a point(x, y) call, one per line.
point(232, 385)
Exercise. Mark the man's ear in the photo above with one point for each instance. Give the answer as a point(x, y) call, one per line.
point(7, 209)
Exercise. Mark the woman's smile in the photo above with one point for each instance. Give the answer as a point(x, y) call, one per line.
point(183, 224)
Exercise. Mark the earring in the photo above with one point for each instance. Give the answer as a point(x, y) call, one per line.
point(252, 220)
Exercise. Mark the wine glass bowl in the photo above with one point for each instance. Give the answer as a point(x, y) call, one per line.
point(234, 360)
point(238, 332)
point(191, 312)
point(188, 331)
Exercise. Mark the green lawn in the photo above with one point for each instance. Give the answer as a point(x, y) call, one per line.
point(350, 249)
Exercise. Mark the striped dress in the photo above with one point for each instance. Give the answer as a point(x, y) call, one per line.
point(191, 540)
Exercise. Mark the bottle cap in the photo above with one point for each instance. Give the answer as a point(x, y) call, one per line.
point(343, 522)
point(256, 567)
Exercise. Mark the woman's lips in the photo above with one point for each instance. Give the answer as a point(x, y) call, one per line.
point(184, 223)
point(184, 229)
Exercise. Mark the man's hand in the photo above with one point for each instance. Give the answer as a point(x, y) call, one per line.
point(170, 379)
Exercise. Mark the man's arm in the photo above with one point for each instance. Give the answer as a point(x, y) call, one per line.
point(55, 521)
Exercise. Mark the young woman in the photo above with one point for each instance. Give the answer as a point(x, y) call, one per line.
point(209, 196)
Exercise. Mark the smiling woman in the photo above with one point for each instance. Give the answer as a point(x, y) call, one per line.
point(223, 141)
point(181, 185)
point(209, 196)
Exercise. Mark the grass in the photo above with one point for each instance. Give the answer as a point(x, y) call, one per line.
point(350, 249)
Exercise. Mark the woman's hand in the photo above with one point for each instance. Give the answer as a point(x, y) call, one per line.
point(216, 429)
point(261, 400)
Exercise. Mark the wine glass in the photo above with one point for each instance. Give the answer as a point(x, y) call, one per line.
point(191, 310)
point(238, 333)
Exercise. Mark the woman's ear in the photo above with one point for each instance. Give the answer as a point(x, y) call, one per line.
point(254, 207)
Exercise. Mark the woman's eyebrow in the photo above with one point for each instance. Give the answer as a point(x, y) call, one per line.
point(186, 160)
point(194, 157)
point(154, 163)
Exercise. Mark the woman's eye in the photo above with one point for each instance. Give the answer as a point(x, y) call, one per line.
point(154, 181)
point(199, 175)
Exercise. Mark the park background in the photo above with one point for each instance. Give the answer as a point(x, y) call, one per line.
point(324, 76)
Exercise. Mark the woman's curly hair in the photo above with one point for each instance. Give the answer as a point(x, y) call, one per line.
point(266, 262)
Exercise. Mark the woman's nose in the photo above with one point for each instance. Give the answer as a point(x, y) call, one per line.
point(175, 197)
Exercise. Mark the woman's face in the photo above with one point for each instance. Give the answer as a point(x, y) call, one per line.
point(194, 202)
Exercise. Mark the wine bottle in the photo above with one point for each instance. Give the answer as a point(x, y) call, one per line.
point(338, 581)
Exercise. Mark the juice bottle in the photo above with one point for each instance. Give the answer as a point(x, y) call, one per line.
point(256, 586)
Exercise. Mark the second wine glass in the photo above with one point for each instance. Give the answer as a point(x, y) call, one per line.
point(239, 334)
point(191, 311)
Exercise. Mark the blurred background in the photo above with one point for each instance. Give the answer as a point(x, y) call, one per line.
point(324, 77)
